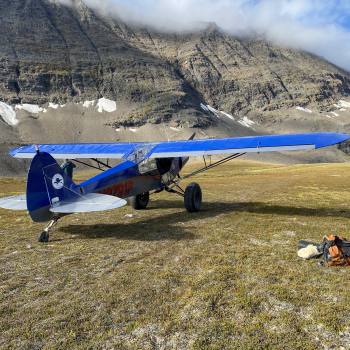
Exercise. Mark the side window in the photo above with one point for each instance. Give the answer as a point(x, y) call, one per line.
point(148, 166)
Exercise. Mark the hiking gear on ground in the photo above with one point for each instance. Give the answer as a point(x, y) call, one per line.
point(336, 251)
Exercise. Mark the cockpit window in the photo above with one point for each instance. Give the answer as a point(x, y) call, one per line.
point(148, 166)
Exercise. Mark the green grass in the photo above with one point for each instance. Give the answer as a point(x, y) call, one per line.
point(225, 278)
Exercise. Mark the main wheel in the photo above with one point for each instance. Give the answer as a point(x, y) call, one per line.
point(193, 197)
point(43, 237)
point(140, 201)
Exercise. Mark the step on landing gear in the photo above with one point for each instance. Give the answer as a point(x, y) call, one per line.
point(45, 235)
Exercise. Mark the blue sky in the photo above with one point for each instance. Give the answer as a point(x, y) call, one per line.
point(336, 12)
point(318, 26)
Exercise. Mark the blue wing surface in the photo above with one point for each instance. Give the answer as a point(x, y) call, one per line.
point(254, 144)
point(78, 150)
point(257, 144)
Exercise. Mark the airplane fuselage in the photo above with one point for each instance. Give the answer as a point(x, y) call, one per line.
point(129, 179)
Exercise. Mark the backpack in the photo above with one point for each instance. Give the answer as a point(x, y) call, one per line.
point(336, 251)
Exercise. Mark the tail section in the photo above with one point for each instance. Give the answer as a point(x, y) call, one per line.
point(47, 185)
point(51, 193)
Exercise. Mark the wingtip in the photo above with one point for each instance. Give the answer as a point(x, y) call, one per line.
point(340, 138)
point(13, 152)
point(331, 139)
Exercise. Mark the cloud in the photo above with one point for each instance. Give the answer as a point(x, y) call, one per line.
point(318, 26)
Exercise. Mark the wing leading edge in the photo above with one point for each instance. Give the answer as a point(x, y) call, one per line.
point(250, 144)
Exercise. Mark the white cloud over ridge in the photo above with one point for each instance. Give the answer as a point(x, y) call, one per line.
point(317, 26)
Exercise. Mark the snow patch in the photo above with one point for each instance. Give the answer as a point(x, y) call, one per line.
point(330, 117)
point(117, 130)
point(106, 105)
point(217, 113)
point(212, 109)
point(342, 104)
point(246, 122)
point(34, 109)
point(204, 107)
point(335, 114)
point(174, 129)
point(88, 104)
point(133, 130)
point(8, 114)
point(227, 115)
point(306, 110)
point(53, 105)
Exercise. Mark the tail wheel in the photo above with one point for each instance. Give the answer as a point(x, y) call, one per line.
point(43, 237)
point(140, 201)
point(193, 198)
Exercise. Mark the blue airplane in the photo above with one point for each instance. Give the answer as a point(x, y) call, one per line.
point(144, 168)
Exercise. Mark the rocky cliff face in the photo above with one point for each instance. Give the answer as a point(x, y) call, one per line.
point(53, 53)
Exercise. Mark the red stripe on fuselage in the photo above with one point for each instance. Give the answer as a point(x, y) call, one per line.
point(121, 190)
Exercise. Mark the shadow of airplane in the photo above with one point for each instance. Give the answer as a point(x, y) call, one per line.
point(264, 208)
point(258, 208)
point(167, 227)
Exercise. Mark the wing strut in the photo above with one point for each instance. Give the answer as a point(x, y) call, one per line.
point(213, 165)
point(99, 166)
point(175, 188)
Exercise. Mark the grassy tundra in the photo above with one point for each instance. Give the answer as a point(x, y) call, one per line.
point(225, 278)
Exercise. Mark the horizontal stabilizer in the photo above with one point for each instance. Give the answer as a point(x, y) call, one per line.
point(91, 202)
point(14, 202)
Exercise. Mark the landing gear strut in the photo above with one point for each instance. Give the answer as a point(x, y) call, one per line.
point(45, 235)
point(193, 193)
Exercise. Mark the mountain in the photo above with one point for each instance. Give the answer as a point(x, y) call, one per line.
point(60, 64)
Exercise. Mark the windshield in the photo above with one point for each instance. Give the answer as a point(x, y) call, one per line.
point(140, 152)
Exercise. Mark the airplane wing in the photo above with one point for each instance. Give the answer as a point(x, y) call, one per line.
point(257, 144)
point(252, 144)
point(77, 150)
